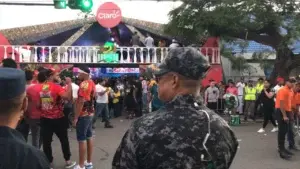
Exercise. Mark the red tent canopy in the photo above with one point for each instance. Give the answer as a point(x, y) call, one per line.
point(216, 71)
point(208, 49)
point(8, 50)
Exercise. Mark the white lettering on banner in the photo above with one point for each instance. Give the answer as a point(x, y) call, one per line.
point(114, 15)
point(122, 70)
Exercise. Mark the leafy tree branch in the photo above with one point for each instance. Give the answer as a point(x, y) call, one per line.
point(274, 23)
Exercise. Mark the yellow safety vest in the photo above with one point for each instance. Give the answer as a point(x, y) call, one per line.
point(259, 87)
point(250, 93)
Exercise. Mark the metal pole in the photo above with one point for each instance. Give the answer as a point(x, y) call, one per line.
point(25, 4)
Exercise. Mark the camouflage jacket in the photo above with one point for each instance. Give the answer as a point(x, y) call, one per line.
point(172, 137)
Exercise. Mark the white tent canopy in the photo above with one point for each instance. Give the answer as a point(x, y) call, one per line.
point(19, 16)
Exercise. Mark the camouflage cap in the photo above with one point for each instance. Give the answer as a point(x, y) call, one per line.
point(186, 61)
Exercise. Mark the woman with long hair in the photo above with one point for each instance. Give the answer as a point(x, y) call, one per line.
point(266, 98)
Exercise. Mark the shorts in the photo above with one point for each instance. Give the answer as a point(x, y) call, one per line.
point(84, 128)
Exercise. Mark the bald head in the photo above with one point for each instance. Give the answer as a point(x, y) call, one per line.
point(68, 80)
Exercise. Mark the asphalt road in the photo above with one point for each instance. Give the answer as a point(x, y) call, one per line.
point(256, 151)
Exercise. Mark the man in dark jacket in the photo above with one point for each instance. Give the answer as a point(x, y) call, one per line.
point(184, 134)
point(15, 152)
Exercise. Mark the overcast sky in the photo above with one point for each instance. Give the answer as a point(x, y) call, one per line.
point(18, 16)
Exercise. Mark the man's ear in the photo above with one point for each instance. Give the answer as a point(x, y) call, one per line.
point(175, 81)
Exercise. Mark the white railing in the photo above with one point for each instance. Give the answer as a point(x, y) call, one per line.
point(93, 54)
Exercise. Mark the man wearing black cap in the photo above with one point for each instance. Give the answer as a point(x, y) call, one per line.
point(183, 134)
point(15, 152)
point(83, 119)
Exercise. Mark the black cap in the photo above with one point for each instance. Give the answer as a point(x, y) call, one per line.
point(84, 69)
point(12, 83)
point(188, 62)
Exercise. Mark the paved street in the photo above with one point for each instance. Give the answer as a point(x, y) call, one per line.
point(256, 151)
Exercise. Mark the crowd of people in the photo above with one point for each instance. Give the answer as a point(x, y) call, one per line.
point(129, 96)
point(56, 104)
point(44, 103)
point(41, 101)
point(277, 103)
point(249, 98)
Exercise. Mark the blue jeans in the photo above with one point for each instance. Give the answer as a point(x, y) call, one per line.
point(101, 109)
point(145, 102)
point(84, 128)
point(291, 132)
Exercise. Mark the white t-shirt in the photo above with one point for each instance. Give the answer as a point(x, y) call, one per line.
point(240, 86)
point(75, 89)
point(145, 86)
point(174, 45)
point(120, 86)
point(149, 42)
point(275, 90)
point(104, 97)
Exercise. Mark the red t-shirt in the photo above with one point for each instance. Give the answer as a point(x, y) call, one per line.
point(86, 91)
point(33, 99)
point(232, 90)
point(34, 82)
point(51, 102)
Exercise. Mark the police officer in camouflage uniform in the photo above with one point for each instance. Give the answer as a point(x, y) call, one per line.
point(174, 136)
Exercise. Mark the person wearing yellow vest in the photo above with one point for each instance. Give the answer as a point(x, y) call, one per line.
point(260, 85)
point(116, 102)
point(259, 88)
point(250, 97)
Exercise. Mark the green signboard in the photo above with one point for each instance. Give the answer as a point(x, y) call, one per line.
point(108, 53)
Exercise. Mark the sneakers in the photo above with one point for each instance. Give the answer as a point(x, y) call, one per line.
point(88, 165)
point(284, 155)
point(275, 129)
point(108, 125)
point(78, 167)
point(70, 164)
point(294, 147)
point(51, 166)
point(261, 130)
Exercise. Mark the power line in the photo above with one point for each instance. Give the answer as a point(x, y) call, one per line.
point(39, 3)
point(26, 4)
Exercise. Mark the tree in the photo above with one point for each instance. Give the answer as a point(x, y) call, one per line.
point(238, 62)
point(264, 62)
point(262, 21)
